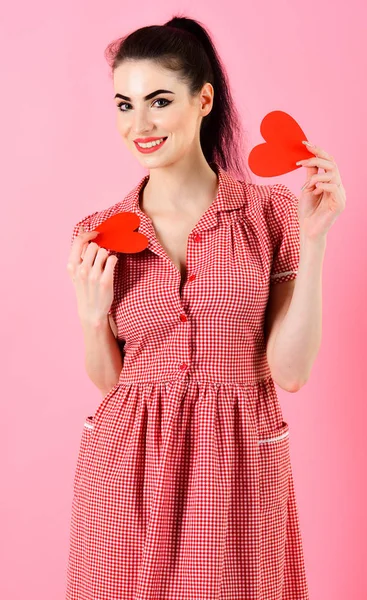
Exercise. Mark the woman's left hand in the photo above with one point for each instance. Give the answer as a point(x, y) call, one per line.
point(324, 198)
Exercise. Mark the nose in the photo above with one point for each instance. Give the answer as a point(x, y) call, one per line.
point(141, 125)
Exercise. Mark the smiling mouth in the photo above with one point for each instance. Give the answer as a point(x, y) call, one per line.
point(154, 142)
point(149, 149)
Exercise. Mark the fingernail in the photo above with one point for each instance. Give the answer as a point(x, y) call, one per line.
point(308, 144)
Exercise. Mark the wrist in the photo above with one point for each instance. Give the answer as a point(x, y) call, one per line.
point(96, 323)
point(318, 242)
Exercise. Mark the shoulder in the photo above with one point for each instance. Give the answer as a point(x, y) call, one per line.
point(97, 217)
point(276, 202)
point(91, 221)
point(94, 219)
point(256, 196)
point(270, 210)
point(269, 195)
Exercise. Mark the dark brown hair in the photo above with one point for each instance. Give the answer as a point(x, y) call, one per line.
point(184, 46)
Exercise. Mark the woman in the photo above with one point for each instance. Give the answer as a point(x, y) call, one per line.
point(184, 488)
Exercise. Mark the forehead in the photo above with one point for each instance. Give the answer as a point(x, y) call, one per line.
point(139, 77)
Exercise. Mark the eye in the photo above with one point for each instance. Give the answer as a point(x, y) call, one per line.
point(157, 100)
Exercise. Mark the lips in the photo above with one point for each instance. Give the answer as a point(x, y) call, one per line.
point(152, 149)
point(148, 139)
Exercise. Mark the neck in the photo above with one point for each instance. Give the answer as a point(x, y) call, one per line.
point(186, 185)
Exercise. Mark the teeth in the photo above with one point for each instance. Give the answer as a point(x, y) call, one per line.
point(150, 144)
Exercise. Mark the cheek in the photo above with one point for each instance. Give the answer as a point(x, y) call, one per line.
point(122, 126)
point(173, 120)
point(182, 128)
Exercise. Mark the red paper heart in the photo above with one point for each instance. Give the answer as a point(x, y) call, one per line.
point(117, 233)
point(282, 148)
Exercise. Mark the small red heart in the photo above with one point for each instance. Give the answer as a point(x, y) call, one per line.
point(117, 233)
point(282, 148)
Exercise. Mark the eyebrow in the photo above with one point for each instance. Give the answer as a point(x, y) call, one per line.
point(148, 97)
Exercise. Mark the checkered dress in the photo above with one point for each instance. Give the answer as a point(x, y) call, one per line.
point(183, 487)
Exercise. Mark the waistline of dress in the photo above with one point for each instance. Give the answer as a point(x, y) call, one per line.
point(137, 380)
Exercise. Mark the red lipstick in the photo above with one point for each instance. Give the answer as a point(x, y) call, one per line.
point(149, 150)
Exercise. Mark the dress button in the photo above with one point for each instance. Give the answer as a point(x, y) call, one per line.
point(183, 318)
point(192, 277)
point(183, 366)
point(197, 237)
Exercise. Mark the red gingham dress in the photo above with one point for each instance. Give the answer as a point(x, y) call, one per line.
point(183, 487)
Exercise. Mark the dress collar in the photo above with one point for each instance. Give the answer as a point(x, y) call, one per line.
point(231, 195)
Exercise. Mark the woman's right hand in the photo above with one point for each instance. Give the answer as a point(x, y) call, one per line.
point(91, 270)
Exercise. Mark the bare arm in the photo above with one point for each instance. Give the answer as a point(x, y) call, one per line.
point(103, 360)
point(298, 338)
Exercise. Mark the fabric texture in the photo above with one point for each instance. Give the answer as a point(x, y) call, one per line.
point(183, 487)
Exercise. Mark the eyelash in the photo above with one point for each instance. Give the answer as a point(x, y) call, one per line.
point(156, 100)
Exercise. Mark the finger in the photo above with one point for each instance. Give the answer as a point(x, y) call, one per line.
point(91, 252)
point(323, 163)
point(96, 257)
point(328, 187)
point(320, 152)
point(109, 268)
point(78, 247)
point(319, 177)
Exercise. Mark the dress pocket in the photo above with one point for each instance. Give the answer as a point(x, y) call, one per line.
point(84, 442)
point(274, 467)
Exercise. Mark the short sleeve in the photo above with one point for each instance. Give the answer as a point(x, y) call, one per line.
point(284, 227)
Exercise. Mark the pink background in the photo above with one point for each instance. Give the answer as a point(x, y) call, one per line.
point(62, 159)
